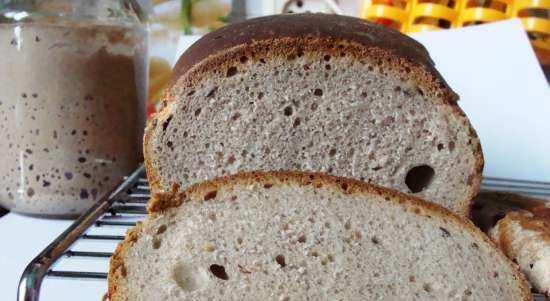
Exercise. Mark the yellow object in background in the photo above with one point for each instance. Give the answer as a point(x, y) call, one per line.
point(159, 75)
point(424, 15)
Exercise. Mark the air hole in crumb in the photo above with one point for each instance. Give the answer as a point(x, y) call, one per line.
point(328, 67)
point(451, 146)
point(332, 152)
point(445, 232)
point(236, 116)
point(243, 59)
point(288, 111)
point(198, 112)
point(440, 146)
point(318, 92)
point(326, 58)
point(314, 106)
point(347, 225)
point(161, 229)
point(166, 123)
point(302, 239)
point(212, 92)
point(268, 185)
point(219, 271)
point(375, 240)
point(156, 243)
point(260, 95)
point(280, 259)
point(467, 292)
point(296, 122)
point(231, 71)
point(210, 195)
point(419, 177)
point(427, 287)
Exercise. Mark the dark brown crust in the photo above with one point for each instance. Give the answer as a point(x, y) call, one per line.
point(301, 26)
point(164, 201)
point(312, 34)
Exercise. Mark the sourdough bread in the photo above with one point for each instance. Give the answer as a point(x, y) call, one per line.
point(525, 238)
point(304, 236)
point(314, 92)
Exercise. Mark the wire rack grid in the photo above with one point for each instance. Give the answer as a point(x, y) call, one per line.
point(109, 219)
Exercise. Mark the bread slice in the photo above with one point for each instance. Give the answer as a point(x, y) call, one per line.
point(305, 236)
point(314, 92)
point(525, 238)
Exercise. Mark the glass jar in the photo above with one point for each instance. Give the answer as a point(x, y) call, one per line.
point(72, 101)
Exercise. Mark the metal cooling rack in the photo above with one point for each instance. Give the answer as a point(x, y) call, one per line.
point(125, 205)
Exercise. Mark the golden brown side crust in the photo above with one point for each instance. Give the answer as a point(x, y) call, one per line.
point(117, 268)
point(206, 190)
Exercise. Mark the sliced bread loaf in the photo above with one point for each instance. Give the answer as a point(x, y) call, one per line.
point(314, 92)
point(305, 236)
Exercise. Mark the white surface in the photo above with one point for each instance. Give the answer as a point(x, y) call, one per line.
point(502, 89)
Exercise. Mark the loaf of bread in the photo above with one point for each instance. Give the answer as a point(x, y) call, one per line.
point(520, 225)
point(305, 236)
point(525, 238)
point(314, 92)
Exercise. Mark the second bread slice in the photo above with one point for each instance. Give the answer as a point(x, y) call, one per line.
point(302, 236)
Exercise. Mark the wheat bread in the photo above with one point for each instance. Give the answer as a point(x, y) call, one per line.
point(525, 238)
point(305, 236)
point(314, 92)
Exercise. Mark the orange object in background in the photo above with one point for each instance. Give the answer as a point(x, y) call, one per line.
point(424, 15)
point(159, 75)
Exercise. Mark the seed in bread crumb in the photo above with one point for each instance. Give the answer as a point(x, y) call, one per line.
point(209, 248)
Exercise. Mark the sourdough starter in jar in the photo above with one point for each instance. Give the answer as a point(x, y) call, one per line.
point(71, 113)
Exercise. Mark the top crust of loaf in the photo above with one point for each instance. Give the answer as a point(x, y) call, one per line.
point(311, 26)
point(163, 201)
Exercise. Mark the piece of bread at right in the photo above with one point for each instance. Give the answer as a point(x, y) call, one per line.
point(291, 236)
point(314, 92)
point(525, 238)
